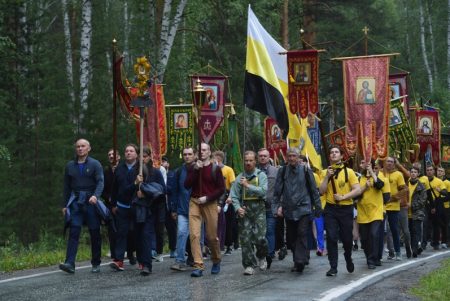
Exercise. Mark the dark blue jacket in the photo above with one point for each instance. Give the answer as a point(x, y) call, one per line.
point(89, 180)
point(178, 195)
point(123, 185)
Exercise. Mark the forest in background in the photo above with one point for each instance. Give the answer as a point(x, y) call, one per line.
point(56, 77)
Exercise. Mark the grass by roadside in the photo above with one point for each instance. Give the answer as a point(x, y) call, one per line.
point(434, 286)
point(48, 251)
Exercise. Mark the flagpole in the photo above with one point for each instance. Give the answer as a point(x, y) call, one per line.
point(114, 118)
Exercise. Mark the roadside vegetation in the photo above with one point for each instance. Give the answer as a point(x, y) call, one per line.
point(434, 286)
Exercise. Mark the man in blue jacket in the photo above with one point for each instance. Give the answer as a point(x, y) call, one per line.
point(179, 202)
point(83, 185)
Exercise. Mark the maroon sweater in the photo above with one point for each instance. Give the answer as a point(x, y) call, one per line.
point(212, 186)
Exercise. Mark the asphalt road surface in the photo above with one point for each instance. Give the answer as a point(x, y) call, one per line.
point(278, 283)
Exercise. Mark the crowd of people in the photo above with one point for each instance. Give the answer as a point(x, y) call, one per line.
point(204, 209)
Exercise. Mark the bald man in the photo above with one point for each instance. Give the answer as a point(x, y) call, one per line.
point(83, 186)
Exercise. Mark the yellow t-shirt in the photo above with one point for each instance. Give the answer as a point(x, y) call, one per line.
point(436, 183)
point(412, 188)
point(342, 187)
point(318, 179)
point(228, 176)
point(370, 207)
point(447, 187)
point(395, 180)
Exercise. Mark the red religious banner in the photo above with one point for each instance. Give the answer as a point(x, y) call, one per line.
point(212, 109)
point(338, 138)
point(273, 139)
point(398, 86)
point(428, 132)
point(155, 135)
point(303, 70)
point(366, 101)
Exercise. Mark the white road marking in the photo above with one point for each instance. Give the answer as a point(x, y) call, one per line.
point(343, 289)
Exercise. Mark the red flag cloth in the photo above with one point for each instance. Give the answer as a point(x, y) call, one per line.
point(428, 130)
point(366, 101)
point(398, 86)
point(155, 134)
point(212, 109)
point(122, 92)
point(273, 139)
point(303, 75)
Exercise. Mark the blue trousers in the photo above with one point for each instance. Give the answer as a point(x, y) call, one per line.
point(270, 232)
point(319, 221)
point(144, 233)
point(72, 245)
point(392, 217)
point(182, 237)
point(123, 222)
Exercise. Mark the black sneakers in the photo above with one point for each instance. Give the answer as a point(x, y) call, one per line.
point(332, 272)
point(67, 267)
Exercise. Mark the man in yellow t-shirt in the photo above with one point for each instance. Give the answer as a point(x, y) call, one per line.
point(374, 193)
point(441, 175)
point(398, 188)
point(437, 216)
point(339, 185)
point(226, 216)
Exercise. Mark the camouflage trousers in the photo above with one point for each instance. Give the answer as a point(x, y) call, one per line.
point(252, 233)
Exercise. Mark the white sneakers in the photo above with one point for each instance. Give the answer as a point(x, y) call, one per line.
point(263, 264)
point(444, 246)
point(249, 271)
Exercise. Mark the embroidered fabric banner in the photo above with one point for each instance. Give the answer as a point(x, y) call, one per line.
point(398, 86)
point(180, 127)
point(338, 138)
point(428, 130)
point(212, 109)
point(122, 92)
point(273, 140)
point(314, 132)
point(401, 137)
point(303, 72)
point(366, 105)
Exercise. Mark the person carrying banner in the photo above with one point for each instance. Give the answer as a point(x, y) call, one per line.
point(340, 185)
point(297, 200)
point(206, 181)
point(83, 186)
point(248, 194)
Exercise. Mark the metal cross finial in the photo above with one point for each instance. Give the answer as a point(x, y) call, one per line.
point(366, 30)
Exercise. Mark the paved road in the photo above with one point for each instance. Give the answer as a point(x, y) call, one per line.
point(278, 283)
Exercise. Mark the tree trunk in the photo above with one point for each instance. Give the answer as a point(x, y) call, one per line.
point(430, 30)
point(168, 33)
point(126, 34)
point(309, 21)
point(407, 38)
point(285, 24)
point(69, 58)
point(85, 64)
point(424, 47)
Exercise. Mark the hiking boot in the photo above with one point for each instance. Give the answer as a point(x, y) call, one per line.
point(249, 271)
point(178, 267)
point(215, 269)
point(332, 272)
point(282, 253)
point(262, 264)
point(116, 265)
point(146, 271)
point(197, 273)
point(269, 261)
point(228, 251)
point(95, 269)
point(350, 266)
point(67, 267)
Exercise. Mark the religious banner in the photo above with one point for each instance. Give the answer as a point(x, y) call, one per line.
point(398, 87)
point(445, 154)
point(122, 91)
point(314, 132)
point(303, 73)
point(401, 137)
point(366, 101)
point(212, 110)
point(338, 138)
point(155, 136)
point(273, 139)
point(428, 130)
point(180, 127)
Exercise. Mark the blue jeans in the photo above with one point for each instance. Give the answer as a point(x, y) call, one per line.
point(319, 229)
point(393, 218)
point(182, 237)
point(270, 232)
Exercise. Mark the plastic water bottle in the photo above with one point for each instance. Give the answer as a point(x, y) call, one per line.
point(225, 208)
